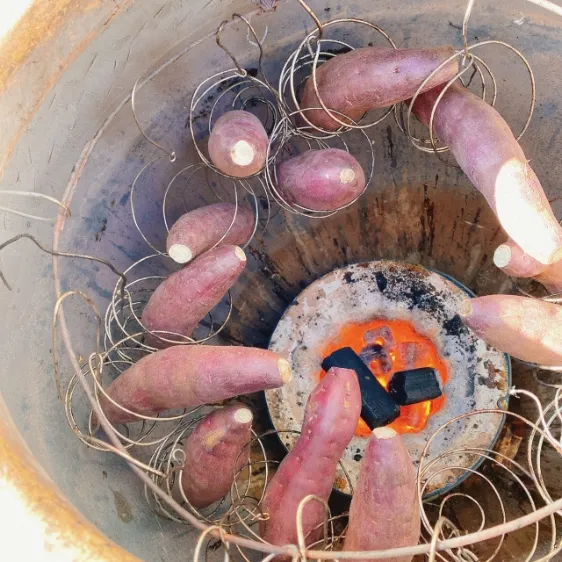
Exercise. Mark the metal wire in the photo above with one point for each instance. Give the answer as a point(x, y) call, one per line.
point(468, 60)
point(298, 59)
point(32, 195)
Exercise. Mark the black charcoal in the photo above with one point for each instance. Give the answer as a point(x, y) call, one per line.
point(377, 407)
point(415, 385)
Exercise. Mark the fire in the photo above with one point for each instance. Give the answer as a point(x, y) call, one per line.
point(403, 348)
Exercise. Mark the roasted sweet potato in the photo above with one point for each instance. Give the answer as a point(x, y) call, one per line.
point(372, 77)
point(330, 419)
point(491, 157)
point(526, 328)
point(511, 259)
point(321, 180)
point(215, 452)
point(200, 230)
point(181, 301)
point(384, 510)
point(238, 144)
point(190, 376)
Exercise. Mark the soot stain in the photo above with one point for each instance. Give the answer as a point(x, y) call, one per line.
point(102, 229)
point(455, 326)
point(122, 507)
point(270, 270)
point(391, 150)
point(427, 224)
point(382, 281)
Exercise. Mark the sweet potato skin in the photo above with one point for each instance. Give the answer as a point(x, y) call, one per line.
point(182, 300)
point(373, 77)
point(511, 259)
point(238, 144)
point(384, 511)
point(214, 454)
point(331, 416)
point(199, 230)
point(527, 328)
point(190, 376)
point(321, 180)
point(493, 160)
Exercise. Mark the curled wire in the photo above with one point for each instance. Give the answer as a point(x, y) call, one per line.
point(172, 156)
point(297, 60)
point(468, 60)
point(246, 90)
point(192, 169)
point(123, 318)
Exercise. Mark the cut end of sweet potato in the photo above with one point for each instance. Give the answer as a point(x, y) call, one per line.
point(465, 309)
point(240, 253)
point(347, 175)
point(242, 153)
point(502, 256)
point(556, 257)
point(243, 416)
point(285, 371)
point(180, 253)
point(384, 433)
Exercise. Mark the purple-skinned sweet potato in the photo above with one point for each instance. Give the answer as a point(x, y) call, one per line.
point(214, 454)
point(527, 328)
point(511, 259)
point(190, 376)
point(238, 144)
point(384, 511)
point(330, 420)
point(493, 160)
point(182, 300)
point(198, 231)
point(372, 77)
point(321, 180)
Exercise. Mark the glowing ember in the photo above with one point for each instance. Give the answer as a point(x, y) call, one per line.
point(390, 346)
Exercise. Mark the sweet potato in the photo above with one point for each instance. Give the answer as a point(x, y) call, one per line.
point(511, 259)
point(491, 157)
point(202, 229)
point(526, 328)
point(372, 77)
point(330, 419)
point(181, 301)
point(214, 454)
point(384, 510)
point(190, 376)
point(238, 144)
point(321, 180)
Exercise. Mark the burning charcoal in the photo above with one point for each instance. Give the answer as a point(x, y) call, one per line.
point(378, 408)
point(385, 361)
point(384, 333)
point(415, 385)
point(370, 353)
point(413, 353)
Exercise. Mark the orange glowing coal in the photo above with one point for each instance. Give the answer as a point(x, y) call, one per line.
point(402, 348)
